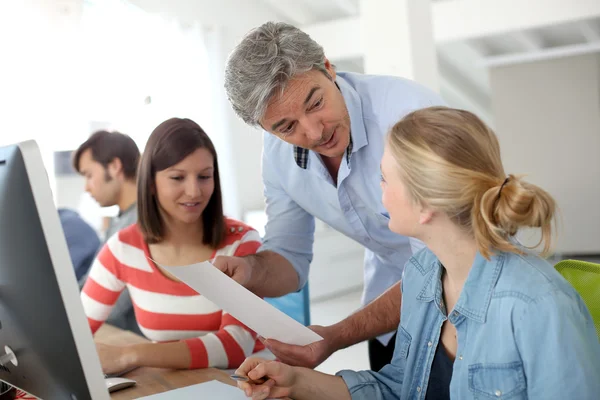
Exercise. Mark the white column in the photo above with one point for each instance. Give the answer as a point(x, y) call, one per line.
point(398, 40)
point(224, 132)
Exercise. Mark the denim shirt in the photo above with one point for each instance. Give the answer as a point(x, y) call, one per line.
point(523, 333)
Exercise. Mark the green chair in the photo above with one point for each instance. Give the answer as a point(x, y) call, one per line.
point(585, 278)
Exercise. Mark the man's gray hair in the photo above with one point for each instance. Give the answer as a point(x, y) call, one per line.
point(264, 62)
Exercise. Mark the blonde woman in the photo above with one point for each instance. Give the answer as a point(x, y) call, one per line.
point(482, 317)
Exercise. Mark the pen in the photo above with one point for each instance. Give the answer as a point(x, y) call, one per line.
point(241, 378)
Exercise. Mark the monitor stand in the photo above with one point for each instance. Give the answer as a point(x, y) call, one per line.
point(8, 357)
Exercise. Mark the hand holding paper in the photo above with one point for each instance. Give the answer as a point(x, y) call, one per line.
point(242, 304)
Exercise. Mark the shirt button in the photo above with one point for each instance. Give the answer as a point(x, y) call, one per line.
point(429, 344)
point(498, 393)
point(240, 229)
point(460, 357)
point(455, 314)
point(419, 389)
point(232, 230)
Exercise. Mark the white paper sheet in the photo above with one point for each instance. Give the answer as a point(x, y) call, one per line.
point(244, 305)
point(209, 390)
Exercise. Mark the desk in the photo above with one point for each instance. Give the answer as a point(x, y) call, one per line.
point(154, 380)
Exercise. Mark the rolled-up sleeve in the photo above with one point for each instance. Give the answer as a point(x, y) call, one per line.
point(369, 385)
point(290, 229)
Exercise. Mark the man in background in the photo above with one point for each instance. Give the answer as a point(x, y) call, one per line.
point(108, 161)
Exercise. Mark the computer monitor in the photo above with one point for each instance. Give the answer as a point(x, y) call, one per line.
point(41, 315)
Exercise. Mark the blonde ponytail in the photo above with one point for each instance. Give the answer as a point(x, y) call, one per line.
point(502, 210)
point(451, 161)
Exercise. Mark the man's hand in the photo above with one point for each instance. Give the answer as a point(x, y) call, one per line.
point(238, 268)
point(308, 356)
point(115, 359)
point(266, 273)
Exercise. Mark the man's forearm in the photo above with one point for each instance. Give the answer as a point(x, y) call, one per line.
point(380, 316)
point(272, 275)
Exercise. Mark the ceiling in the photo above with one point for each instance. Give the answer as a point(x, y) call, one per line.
point(463, 63)
point(471, 35)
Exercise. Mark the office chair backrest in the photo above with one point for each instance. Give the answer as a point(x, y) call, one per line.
point(585, 278)
point(296, 305)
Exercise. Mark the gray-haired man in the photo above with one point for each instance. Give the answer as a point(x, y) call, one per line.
point(323, 142)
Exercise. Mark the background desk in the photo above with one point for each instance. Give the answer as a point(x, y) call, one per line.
point(154, 380)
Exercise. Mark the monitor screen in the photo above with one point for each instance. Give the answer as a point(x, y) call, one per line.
point(44, 333)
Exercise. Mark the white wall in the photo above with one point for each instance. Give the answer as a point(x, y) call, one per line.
point(239, 146)
point(548, 120)
point(245, 144)
point(226, 22)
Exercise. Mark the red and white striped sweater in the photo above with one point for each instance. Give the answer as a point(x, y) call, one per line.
point(167, 310)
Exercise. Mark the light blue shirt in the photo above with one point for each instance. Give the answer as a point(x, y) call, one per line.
point(295, 196)
point(523, 333)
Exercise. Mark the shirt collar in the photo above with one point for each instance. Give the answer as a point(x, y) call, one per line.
point(127, 210)
point(358, 136)
point(301, 154)
point(476, 294)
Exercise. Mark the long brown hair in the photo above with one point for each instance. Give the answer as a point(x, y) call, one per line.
point(171, 142)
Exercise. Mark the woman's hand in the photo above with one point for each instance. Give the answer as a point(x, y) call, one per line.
point(115, 359)
point(278, 379)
